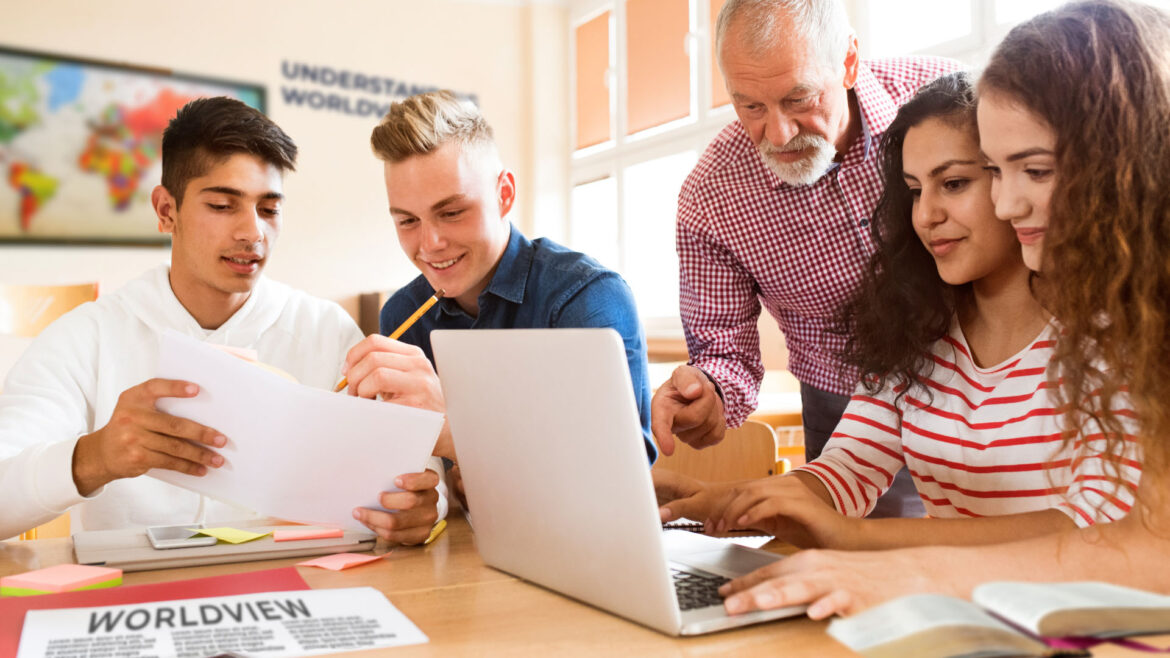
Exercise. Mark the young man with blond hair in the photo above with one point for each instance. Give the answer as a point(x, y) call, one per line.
point(449, 198)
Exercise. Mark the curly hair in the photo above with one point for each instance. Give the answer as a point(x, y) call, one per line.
point(1098, 73)
point(902, 306)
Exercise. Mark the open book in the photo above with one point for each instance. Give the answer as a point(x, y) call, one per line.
point(1006, 619)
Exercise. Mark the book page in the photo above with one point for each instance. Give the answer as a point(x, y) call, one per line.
point(910, 615)
point(1028, 604)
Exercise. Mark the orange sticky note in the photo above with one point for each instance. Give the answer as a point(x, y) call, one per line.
point(294, 533)
point(339, 561)
point(61, 578)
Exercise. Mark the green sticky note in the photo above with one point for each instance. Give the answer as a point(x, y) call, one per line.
point(23, 591)
point(230, 535)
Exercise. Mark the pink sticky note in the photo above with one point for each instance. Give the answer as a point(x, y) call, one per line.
point(61, 578)
point(339, 561)
point(295, 533)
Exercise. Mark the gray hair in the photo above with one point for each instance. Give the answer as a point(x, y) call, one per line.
point(823, 26)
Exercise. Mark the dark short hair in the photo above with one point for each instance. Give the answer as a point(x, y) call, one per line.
point(209, 130)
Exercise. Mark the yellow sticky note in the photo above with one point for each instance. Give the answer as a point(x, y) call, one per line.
point(230, 535)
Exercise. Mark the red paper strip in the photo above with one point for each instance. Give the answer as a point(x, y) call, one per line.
point(12, 610)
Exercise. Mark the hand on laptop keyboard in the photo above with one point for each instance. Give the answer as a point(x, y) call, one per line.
point(697, 590)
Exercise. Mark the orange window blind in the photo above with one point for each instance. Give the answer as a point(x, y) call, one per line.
point(592, 90)
point(658, 81)
point(718, 87)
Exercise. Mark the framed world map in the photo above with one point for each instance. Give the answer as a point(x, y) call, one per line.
point(81, 145)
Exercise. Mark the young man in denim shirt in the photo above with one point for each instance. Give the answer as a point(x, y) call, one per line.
point(449, 197)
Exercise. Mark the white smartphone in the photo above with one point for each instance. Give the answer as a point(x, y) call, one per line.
point(177, 536)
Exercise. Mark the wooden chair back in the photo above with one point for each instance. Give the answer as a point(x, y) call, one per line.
point(746, 452)
point(24, 311)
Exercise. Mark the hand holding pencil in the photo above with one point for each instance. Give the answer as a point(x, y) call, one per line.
point(384, 368)
point(381, 366)
point(397, 333)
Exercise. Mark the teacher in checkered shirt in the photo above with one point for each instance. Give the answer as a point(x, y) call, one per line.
point(776, 214)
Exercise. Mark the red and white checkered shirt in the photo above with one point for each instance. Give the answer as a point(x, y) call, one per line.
point(744, 237)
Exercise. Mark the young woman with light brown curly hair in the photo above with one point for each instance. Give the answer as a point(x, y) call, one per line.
point(1074, 118)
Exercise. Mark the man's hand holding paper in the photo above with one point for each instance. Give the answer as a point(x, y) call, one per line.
point(416, 509)
point(139, 438)
point(385, 369)
point(294, 452)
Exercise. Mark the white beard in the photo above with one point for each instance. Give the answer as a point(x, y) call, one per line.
point(805, 171)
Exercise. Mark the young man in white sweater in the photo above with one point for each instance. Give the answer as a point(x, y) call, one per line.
point(78, 424)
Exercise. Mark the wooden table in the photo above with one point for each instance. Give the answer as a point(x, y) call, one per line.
point(468, 608)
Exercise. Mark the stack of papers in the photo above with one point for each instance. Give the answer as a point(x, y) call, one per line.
point(293, 452)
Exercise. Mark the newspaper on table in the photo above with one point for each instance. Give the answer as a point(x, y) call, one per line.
point(272, 624)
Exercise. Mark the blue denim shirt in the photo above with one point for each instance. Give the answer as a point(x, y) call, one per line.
point(538, 284)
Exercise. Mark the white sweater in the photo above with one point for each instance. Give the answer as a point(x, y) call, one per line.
point(68, 381)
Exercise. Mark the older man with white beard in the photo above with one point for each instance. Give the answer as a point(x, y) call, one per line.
point(776, 213)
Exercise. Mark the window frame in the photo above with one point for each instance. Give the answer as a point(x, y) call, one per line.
point(613, 157)
point(971, 49)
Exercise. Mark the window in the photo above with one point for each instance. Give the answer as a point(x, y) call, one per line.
point(965, 30)
point(593, 66)
point(650, 263)
point(595, 230)
point(897, 27)
point(658, 63)
point(663, 102)
point(719, 95)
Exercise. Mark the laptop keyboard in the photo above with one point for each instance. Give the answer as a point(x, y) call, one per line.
point(696, 590)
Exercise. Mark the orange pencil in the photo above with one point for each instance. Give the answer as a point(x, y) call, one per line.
point(406, 324)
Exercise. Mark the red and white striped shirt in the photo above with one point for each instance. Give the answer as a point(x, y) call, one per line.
point(745, 237)
point(978, 442)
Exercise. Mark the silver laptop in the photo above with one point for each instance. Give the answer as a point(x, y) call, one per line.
point(129, 549)
point(550, 446)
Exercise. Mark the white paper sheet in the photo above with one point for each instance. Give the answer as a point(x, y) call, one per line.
point(273, 624)
point(293, 452)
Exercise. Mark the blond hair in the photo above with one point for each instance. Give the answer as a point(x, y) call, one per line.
point(422, 124)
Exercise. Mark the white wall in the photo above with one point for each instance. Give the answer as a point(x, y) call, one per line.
point(337, 240)
point(549, 131)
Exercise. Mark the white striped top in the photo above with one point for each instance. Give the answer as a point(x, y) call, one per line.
point(978, 442)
